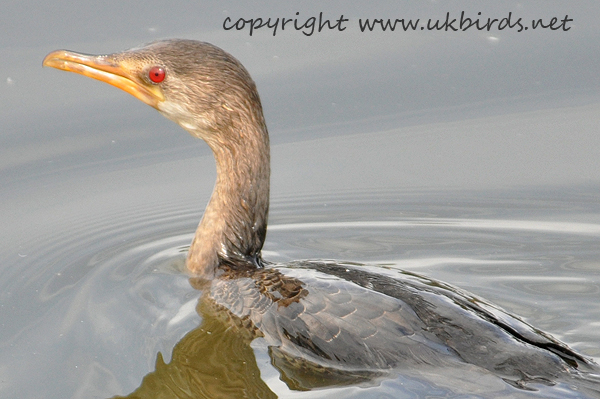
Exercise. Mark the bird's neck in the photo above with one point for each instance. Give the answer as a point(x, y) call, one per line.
point(233, 228)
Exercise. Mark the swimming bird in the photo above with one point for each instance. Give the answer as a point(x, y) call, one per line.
point(347, 319)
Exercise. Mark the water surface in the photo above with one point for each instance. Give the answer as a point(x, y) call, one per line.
point(471, 158)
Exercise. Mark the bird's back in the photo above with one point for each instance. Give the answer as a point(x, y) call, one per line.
point(347, 318)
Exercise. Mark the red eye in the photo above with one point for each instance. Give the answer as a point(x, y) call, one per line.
point(156, 74)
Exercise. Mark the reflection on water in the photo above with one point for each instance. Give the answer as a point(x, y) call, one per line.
point(114, 314)
point(211, 361)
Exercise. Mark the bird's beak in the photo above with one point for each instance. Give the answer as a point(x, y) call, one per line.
point(119, 74)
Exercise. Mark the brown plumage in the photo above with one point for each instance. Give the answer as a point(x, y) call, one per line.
point(327, 315)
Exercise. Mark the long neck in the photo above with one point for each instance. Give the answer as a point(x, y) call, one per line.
point(233, 228)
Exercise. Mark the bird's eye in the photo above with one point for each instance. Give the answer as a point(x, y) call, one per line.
point(156, 74)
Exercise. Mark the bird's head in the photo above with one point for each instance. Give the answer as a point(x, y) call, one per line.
point(198, 85)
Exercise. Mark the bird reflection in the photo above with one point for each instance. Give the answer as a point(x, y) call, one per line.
point(216, 360)
point(213, 361)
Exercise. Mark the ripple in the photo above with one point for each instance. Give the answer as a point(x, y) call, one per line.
point(114, 288)
point(483, 224)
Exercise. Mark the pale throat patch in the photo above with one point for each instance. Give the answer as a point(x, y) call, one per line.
point(178, 114)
